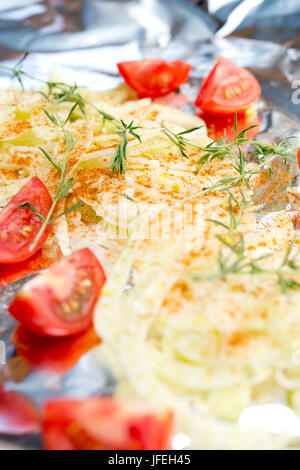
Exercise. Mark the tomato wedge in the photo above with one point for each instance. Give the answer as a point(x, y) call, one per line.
point(154, 78)
point(227, 88)
point(60, 302)
point(53, 354)
point(18, 416)
point(100, 423)
point(19, 226)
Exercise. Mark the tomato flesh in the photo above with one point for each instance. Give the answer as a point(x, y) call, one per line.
point(17, 414)
point(100, 423)
point(154, 78)
point(60, 302)
point(227, 88)
point(19, 226)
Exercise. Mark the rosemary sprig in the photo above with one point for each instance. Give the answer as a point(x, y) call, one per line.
point(259, 151)
point(64, 184)
point(181, 142)
point(237, 261)
point(233, 240)
point(239, 264)
point(289, 264)
point(28, 204)
point(17, 70)
point(226, 149)
point(233, 151)
point(222, 149)
point(67, 211)
point(242, 179)
point(236, 264)
point(124, 130)
point(236, 210)
point(59, 92)
point(56, 94)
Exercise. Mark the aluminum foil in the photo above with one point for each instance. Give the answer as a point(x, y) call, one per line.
point(272, 20)
point(82, 40)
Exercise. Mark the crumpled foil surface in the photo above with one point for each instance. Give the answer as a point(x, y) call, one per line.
point(271, 20)
point(84, 39)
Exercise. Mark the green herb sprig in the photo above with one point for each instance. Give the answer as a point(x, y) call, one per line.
point(236, 210)
point(56, 94)
point(124, 130)
point(179, 140)
point(260, 151)
point(224, 149)
point(65, 184)
point(237, 261)
point(59, 92)
point(239, 264)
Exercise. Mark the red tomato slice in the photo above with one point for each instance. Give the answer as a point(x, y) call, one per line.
point(298, 157)
point(12, 272)
point(19, 226)
point(60, 302)
point(227, 88)
point(54, 354)
point(217, 125)
point(153, 78)
point(17, 415)
point(100, 423)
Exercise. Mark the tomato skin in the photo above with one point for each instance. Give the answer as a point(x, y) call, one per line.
point(227, 88)
point(57, 355)
point(19, 226)
point(298, 157)
point(18, 416)
point(102, 423)
point(218, 124)
point(154, 78)
point(45, 304)
point(12, 272)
